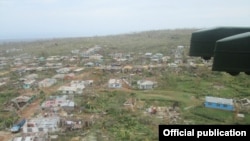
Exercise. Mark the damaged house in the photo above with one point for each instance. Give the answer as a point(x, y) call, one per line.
point(21, 101)
point(27, 84)
point(54, 102)
point(63, 70)
point(115, 83)
point(29, 81)
point(64, 76)
point(75, 87)
point(41, 124)
point(47, 82)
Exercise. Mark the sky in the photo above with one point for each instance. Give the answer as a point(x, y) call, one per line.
point(38, 19)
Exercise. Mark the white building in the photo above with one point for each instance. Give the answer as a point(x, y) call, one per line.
point(115, 83)
point(47, 82)
point(63, 70)
point(148, 54)
point(146, 84)
point(76, 87)
point(96, 57)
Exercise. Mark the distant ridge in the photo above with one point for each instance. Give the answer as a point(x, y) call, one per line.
point(77, 37)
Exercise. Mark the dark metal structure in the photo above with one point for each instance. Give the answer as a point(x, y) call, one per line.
point(232, 54)
point(229, 47)
point(203, 41)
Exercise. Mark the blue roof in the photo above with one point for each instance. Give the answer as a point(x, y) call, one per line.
point(219, 100)
point(15, 128)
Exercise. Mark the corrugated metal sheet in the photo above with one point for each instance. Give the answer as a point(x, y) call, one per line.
point(219, 100)
point(18, 139)
point(29, 138)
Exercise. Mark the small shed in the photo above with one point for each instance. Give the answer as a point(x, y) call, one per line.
point(27, 84)
point(219, 103)
point(148, 54)
point(68, 105)
point(47, 82)
point(68, 90)
point(63, 70)
point(78, 70)
point(146, 84)
point(89, 64)
point(115, 83)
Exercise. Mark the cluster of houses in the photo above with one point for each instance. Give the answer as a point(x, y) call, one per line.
point(31, 70)
point(142, 84)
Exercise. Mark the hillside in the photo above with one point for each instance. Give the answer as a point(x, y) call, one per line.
point(148, 41)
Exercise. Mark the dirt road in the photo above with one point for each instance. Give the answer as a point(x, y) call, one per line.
point(31, 109)
point(5, 136)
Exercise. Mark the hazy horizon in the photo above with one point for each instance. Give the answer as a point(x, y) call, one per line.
point(48, 19)
point(59, 37)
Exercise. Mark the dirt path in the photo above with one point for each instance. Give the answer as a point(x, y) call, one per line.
point(31, 109)
point(5, 136)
